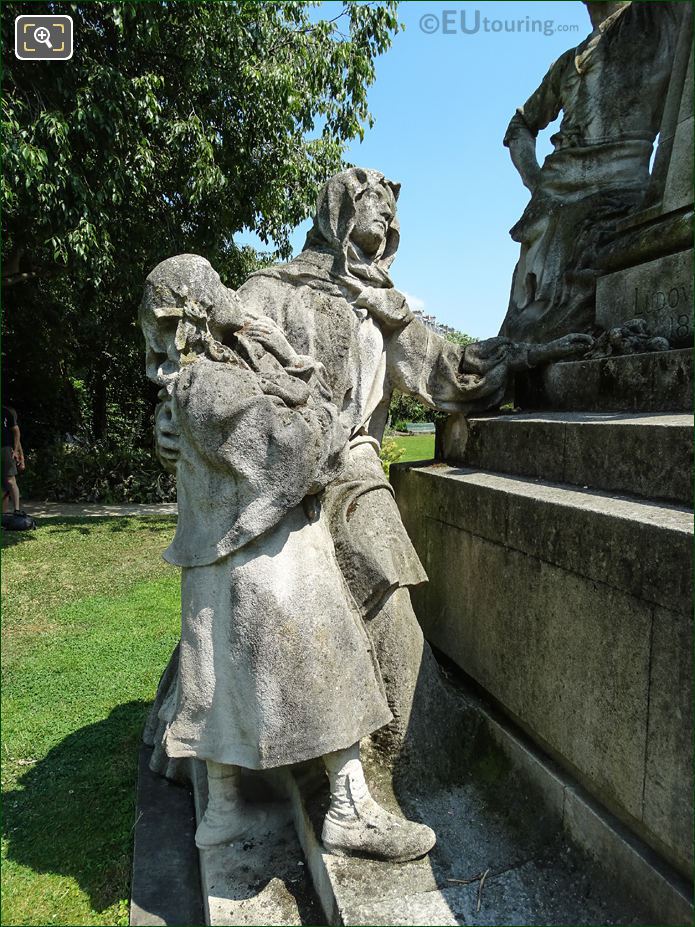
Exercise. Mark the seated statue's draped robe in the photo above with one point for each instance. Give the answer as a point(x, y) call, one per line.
point(610, 90)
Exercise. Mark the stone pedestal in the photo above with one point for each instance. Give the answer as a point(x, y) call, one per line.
point(654, 382)
point(558, 548)
point(648, 266)
point(660, 291)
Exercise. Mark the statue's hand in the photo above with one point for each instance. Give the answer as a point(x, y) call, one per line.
point(573, 345)
point(385, 304)
point(166, 433)
point(481, 356)
point(269, 335)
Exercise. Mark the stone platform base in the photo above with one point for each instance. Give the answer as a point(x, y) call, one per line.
point(564, 798)
point(166, 882)
point(517, 844)
point(548, 854)
point(568, 597)
point(261, 880)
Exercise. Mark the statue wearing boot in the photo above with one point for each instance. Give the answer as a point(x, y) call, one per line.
point(298, 635)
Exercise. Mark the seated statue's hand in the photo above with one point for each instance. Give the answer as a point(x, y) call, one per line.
point(481, 356)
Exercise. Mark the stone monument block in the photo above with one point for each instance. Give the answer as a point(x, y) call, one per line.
point(660, 291)
point(678, 189)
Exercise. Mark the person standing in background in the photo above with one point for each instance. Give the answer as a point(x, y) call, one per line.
point(12, 459)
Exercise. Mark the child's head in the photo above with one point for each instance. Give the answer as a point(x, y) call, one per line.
point(185, 308)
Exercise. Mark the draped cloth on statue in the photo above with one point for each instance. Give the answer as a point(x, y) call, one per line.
point(274, 664)
point(611, 90)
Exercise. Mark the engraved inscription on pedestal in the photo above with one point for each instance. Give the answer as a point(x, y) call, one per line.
point(659, 291)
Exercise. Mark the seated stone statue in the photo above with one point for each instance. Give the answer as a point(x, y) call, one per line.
point(298, 635)
point(610, 90)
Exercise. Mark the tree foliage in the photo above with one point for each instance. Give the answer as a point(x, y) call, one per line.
point(174, 127)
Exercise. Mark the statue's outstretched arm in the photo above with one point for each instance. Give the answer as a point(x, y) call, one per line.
point(470, 378)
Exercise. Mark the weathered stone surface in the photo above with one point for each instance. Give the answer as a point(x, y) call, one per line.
point(669, 770)
point(679, 183)
point(567, 659)
point(670, 898)
point(165, 888)
point(656, 382)
point(638, 548)
point(659, 291)
point(564, 640)
point(678, 189)
point(629, 863)
point(260, 881)
point(646, 235)
point(611, 90)
point(295, 563)
point(643, 455)
point(502, 813)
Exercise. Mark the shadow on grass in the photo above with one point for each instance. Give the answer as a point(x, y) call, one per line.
point(72, 813)
point(114, 524)
point(12, 538)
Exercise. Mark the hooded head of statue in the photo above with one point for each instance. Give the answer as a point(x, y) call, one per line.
point(356, 224)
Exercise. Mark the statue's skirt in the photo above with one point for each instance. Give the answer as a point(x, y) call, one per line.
point(275, 665)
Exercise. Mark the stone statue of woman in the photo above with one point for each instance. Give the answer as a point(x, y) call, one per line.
point(298, 636)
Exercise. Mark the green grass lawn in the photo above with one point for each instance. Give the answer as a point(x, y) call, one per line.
point(417, 447)
point(90, 617)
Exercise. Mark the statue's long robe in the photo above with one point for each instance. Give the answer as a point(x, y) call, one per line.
point(274, 665)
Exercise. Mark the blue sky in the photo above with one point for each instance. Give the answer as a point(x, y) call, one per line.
point(441, 104)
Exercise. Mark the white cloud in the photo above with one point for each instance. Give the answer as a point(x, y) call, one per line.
point(414, 301)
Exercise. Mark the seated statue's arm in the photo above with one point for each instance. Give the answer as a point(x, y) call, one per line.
point(522, 148)
point(541, 108)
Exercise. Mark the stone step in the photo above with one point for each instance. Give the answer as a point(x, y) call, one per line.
point(547, 853)
point(261, 881)
point(547, 856)
point(588, 532)
point(653, 382)
point(648, 455)
point(165, 887)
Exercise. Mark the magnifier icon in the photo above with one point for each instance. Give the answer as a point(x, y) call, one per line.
point(42, 35)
